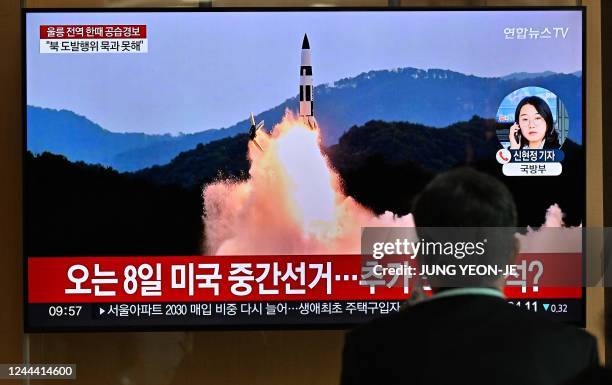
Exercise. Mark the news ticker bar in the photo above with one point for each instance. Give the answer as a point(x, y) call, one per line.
point(38, 371)
point(99, 316)
point(141, 279)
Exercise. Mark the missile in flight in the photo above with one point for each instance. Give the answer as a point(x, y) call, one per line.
point(306, 88)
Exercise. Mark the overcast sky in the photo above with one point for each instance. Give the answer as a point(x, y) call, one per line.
point(210, 69)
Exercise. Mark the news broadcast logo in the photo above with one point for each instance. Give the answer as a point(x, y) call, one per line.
point(535, 33)
point(93, 39)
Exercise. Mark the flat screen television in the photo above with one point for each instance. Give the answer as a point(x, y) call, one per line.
point(214, 168)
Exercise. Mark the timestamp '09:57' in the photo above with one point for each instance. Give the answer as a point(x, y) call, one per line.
point(63, 311)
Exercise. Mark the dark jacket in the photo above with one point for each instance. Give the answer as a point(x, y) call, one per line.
point(468, 339)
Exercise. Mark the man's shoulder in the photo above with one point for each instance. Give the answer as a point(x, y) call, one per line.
point(448, 333)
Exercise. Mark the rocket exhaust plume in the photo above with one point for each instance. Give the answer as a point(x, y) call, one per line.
point(292, 203)
point(553, 236)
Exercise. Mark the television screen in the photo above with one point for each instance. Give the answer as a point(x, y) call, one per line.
point(216, 168)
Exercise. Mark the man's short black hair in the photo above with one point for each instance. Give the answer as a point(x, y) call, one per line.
point(464, 197)
point(466, 206)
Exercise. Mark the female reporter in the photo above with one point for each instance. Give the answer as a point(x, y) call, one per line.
point(533, 126)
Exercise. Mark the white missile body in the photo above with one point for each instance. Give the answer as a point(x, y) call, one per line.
point(306, 88)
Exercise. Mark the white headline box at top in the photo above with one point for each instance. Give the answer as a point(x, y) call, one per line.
point(85, 46)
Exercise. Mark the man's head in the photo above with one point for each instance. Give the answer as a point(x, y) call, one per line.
point(473, 206)
point(464, 197)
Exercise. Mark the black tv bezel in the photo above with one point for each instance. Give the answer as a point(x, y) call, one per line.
point(331, 326)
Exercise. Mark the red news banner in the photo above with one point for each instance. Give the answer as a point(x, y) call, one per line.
point(93, 39)
point(261, 278)
point(93, 31)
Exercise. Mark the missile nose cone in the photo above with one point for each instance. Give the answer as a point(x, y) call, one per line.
point(305, 44)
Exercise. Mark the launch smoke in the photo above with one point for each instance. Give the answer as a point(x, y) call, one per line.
point(292, 203)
